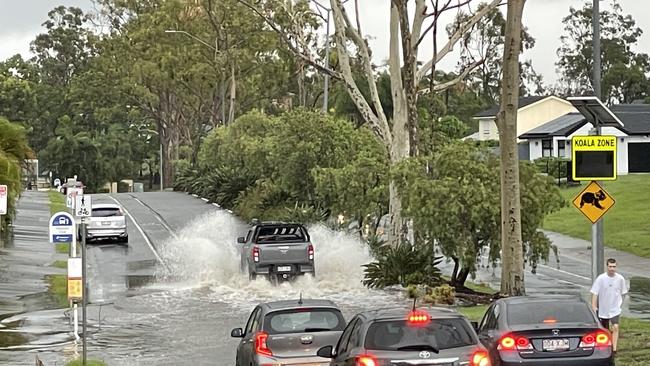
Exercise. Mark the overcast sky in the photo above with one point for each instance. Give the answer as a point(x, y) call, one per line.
point(20, 22)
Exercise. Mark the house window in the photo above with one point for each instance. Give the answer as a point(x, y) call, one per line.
point(547, 148)
point(561, 148)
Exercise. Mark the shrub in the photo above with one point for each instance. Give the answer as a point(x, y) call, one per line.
point(403, 265)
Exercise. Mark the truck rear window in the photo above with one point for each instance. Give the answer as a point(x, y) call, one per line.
point(550, 312)
point(281, 234)
point(304, 321)
point(439, 333)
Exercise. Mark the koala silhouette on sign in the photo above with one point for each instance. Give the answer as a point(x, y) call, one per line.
point(593, 198)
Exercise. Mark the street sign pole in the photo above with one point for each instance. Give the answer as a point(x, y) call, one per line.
point(75, 310)
point(84, 296)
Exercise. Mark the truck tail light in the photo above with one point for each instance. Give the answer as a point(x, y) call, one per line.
point(310, 252)
point(256, 254)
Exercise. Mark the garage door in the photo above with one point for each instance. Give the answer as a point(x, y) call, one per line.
point(638, 157)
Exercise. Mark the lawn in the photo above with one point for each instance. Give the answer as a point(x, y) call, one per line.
point(63, 248)
point(626, 224)
point(58, 288)
point(57, 202)
point(78, 362)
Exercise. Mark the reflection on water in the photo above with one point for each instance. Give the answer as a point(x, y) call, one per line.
point(639, 303)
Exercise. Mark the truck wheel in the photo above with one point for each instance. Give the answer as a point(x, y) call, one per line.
point(252, 276)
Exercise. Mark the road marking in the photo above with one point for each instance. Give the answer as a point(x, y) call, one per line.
point(566, 272)
point(157, 216)
point(146, 238)
point(195, 195)
point(205, 199)
point(216, 205)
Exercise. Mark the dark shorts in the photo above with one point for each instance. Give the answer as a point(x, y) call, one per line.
point(607, 322)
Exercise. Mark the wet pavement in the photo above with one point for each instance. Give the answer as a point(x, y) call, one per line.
point(171, 296)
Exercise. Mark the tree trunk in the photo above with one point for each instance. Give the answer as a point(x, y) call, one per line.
point(512, 266)
point(233, 94)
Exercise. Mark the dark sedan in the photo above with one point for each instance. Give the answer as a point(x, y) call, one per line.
point(399, 337)
point(545, 331)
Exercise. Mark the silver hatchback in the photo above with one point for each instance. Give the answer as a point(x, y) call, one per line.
point(288, 333)
point(107, 221)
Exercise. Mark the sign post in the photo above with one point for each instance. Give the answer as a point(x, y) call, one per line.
point(4, 197)
point(83, 209)
point(63, 229)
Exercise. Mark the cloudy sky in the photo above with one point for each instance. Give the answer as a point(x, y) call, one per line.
point(20, 22)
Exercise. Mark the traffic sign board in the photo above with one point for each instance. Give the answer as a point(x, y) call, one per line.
point(593, 202)
point(71, 194)
point(62, 228)
point(83, 205)
point(4, 197)
point(593, 157)
point(75, 289)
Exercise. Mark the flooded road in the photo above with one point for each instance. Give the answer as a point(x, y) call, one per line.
point(174, 293)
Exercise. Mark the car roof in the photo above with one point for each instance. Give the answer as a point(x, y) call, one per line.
point(540, 299)
point(403, 312)
point(105, 205)
point(297, 304)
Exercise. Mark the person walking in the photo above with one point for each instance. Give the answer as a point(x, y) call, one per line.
point(608, 293)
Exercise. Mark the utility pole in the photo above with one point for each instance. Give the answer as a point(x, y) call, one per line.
point(598, 234)
point(84, 293)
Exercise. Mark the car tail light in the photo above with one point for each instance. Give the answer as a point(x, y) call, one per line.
point(366, 360)
point(511, 343)
point(256, 254)
point(598, 339)
point(261, 348)
point(480, 358)
point(310, 252)
point(418, 317)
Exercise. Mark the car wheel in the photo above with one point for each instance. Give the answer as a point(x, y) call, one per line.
point(252, 276)
point(125, 239)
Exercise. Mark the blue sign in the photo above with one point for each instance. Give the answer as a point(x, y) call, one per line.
point(62, 238)
point(62, 220)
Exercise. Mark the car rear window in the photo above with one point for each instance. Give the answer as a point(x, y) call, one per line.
point(106, 212)
point(550, 312)
point(288, 233)
point(438, 333)
point(304, 321)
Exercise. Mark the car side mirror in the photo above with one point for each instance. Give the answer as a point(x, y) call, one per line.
point(475, 326)
point(241, 240)
point(237, 333)
point(326, 352)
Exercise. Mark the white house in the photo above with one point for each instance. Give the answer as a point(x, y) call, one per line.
point(633, 146)
point(533, 112)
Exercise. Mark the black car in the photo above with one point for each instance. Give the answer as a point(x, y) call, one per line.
point(545, 331)
point(394, 337)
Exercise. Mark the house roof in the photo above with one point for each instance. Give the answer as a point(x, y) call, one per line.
point(561, 126)
point(635, 118)
point(523, 102)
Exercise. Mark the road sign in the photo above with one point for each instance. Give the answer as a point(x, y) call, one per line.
point(83, 205)
point(62, 228)
point(3, 199)
point(594, 157)
point(593, 202)
point(71, 195)
point(75, 289)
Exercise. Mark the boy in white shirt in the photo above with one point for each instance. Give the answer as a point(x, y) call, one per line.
point(608, 292)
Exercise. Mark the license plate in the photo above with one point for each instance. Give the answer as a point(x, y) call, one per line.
point(555, 344)
point(106, 223)
point(284, 269)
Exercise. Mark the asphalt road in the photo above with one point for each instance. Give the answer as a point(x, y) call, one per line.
point(172, 294)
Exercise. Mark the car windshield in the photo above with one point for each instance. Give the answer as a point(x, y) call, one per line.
point(289, 233)
point(551, 312)
point(304, 320)
point(106, 212)
point(438, 334)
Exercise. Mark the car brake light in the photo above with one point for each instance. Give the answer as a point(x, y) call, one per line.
point(418, 317)
point(598, 339)
point(261, 348)
point(480, 358)
point(366, 361)
point(310, 252)
point(256, 254)
point(511, 343)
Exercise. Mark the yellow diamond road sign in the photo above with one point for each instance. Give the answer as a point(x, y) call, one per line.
point(593, 202)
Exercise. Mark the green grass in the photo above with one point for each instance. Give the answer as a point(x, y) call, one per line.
point(58, 288)
point(626, 224)
point(60, 264)
point(57, 202)
point(63, 248)
point(77, 362)
point(474, 313)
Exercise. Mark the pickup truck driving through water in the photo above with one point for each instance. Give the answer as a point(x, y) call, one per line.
point(280, 251)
